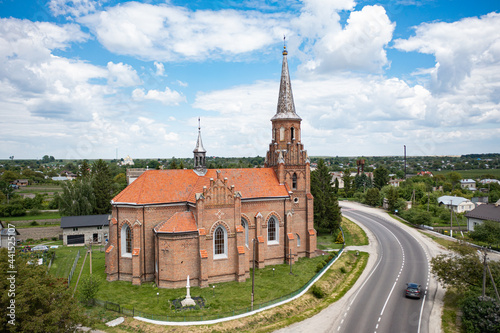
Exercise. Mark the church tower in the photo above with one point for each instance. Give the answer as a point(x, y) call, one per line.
point(199, 155)
point(286, 152)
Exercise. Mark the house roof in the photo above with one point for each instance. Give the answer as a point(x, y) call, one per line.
point(451, 200)
point(84, 221)
point(173, 186)
point(485, 212)
point(466, 181)
point(179, 222)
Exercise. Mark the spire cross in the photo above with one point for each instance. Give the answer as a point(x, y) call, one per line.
point(199, 126)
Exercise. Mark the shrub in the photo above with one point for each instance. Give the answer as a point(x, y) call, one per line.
point(35, 211)
point(34, 223)
point(320, 266)
point(481, 315)
point(343, 270)
point(317, 291)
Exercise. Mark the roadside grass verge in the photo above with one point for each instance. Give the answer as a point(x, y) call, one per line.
point(335, 283)
point(450, 321)
point(353, 235)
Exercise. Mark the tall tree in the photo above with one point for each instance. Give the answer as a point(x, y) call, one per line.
point(380, 177)
point(372, 196)
point(102, 183)
point(43, 303)
point(326, 207)
point(347, 182)
point(77, 198)
point(85, 169)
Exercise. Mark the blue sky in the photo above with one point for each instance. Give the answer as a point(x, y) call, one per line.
point(85, 79)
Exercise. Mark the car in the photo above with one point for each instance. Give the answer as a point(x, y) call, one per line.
point(413, 290)
point(44, 248)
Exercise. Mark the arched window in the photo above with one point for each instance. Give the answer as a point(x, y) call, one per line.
point(272, 231)
point(298, 240)
point(220, 242)
point(126, 241)
point(292, 133)
point(282, 133)
point(244, 224)
point(294, 181)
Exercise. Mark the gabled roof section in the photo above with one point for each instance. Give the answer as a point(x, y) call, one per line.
point(177, 186)
point(84, 221)
point(451, 200)
point(485, 212)
point(286, 106)
point(179, 222)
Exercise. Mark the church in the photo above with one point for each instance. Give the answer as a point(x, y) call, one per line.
point(214, 224)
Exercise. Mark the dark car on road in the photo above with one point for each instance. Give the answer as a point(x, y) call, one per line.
point(413, 290)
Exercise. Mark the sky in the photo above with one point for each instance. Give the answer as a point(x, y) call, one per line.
point(84, 79)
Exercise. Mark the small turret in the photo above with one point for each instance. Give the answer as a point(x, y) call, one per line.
point(199, 155)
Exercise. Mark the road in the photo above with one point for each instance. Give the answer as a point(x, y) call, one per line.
point(376, 303)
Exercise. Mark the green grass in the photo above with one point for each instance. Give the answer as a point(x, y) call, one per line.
point(353, 235)
point(41, 216)
point(473, 174)
point(449, 322)
point(229, 296)
point(41, 188)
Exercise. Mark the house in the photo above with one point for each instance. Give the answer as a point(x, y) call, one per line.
point(469, 184)
point(133, 173)
point(489, 181)
point(82, 230)
point(210, 224)
point(339, 175)
point(20, 182)
point(6, 234)
point(425, 173)
point(396, 182)
point(458, 204)
point(127, 161)
point(485, 212)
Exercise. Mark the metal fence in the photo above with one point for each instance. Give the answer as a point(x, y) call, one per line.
point(206, 317)
point(73, 268)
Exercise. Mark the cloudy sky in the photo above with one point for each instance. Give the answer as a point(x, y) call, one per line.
point(87, 79)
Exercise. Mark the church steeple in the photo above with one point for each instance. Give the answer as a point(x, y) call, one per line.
point(286, 152)
point(199, 155)
point(286, 106)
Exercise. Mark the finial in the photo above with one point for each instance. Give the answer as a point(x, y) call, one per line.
point(284, 45)
point(199, 125)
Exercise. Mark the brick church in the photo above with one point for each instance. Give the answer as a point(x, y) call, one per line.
point(207, 224)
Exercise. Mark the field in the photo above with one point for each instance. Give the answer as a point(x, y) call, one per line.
point(472, 174)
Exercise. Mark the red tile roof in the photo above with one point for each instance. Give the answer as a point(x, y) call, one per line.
point(260, 239)
point(239, 228)
point(171, 186)
point(109, 248)
point(290, 236)
point(312, 232)
point(179, 222)
point(203, 253)
point(135, 252)
point(202, 232)
point(241, 250)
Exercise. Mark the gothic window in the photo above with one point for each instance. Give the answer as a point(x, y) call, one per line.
point(272, 230)
point(294, 181)
point(244, 224)
point(298, 240)
point(282, 133)
point(126, 241)
point(220, 243)
point(292, 133)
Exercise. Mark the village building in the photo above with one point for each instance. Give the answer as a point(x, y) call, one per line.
point(85, 229)
point(211, 224)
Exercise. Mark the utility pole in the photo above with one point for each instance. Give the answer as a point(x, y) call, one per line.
point(451, 218)
point(253, 272)
point(484, 272)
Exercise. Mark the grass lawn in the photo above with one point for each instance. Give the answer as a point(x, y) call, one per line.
point(65, 256)
point(473, 174)
point(224, 299)
point(41, 216)
point(449, 322)
point(353, 234)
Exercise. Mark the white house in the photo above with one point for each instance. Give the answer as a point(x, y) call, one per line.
point(458, 204)
point(469, 184)
point(483, 213)
point(81, 230)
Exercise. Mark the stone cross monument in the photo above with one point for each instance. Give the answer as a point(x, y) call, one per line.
point(188, 301)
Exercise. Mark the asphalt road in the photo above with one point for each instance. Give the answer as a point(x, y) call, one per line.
point(380, 305)
point(376, 303)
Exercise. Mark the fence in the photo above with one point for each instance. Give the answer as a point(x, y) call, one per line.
point(73, 268)
point(207, 317)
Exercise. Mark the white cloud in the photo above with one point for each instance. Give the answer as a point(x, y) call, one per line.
point(122, 75)
point(167, 97)
point(167, 33)
point(73, 7)
point(160, 68)
point(459, 47)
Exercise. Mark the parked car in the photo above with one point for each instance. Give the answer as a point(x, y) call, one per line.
point(40, 248)
point(413, 290)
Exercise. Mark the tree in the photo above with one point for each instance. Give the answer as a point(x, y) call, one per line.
point(88, 289)
point(77, 199)
point(173, 164)
point(488, 232)
point(102, 183)
point(458, 271)
point(347, 182)
point(392, 198)
point(85, 169)
point(372, 196)
point(380, 177)
point(481, 315)
point(43, 303)
point(326, 207)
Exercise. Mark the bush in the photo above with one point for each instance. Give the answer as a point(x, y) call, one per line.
point(481, 315)
point(317, 291)
point(343, 270)
point(34, 223)
point(320, 266)
point(89, 288)
point(34, 212)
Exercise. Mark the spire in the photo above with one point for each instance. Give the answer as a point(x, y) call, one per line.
point(199, 145)
point(199, 155)
point(286, 107)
